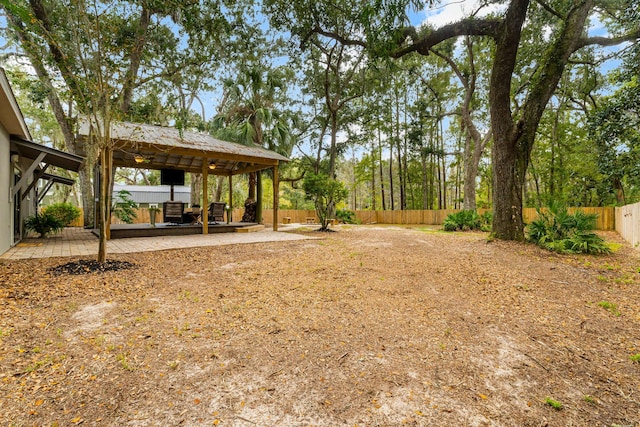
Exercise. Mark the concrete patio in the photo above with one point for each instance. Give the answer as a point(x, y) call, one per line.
point(76, 241)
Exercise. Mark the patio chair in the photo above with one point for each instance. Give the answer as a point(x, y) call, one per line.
point(216, 212)
point(173, 212)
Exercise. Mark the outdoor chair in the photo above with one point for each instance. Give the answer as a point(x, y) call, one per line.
point(173, 212)
point(216, 212)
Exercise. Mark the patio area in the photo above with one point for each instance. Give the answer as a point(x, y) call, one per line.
point(77, 241)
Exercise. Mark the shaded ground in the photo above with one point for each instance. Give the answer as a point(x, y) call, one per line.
point(368, 326)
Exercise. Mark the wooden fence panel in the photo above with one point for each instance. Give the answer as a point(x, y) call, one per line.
point(609, 218)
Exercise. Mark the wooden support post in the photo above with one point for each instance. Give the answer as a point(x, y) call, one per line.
point(230, 211)
point(276, 198)
point(204, 209)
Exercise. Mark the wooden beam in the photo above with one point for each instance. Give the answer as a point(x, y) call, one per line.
point(36, 177)
point(27, 174)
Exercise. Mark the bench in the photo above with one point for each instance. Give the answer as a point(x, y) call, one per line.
point(311, 220)
point(286, 220)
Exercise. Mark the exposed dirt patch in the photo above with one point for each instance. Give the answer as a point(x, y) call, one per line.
point(370, 326)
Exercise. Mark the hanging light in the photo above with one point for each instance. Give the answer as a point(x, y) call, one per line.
point(138, 158)
point(212, 165)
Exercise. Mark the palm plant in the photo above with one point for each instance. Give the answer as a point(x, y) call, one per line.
point(250, 115)
point(559, 231)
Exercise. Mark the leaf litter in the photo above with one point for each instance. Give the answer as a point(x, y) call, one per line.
point(369, 326)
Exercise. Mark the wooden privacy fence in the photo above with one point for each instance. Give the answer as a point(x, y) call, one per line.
point(608, 217)
point(628, 223)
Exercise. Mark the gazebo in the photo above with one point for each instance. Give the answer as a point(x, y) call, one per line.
point(145, 146)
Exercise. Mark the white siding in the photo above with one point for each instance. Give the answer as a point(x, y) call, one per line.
point(6, 204)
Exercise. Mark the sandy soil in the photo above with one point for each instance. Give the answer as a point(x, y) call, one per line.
point(370, 326)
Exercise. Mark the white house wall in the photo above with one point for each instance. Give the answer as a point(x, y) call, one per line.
point(6, 202)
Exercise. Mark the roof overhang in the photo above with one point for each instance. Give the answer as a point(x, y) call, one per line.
point(10, 115)
point(41, 158)
point(49, 156)
point(145, 146)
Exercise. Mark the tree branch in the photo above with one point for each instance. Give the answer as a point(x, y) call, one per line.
point(343, 40)
point(467, 27)
point(608, 41)
point(549, 9)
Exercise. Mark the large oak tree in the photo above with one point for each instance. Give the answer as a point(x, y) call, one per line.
point(384, 31)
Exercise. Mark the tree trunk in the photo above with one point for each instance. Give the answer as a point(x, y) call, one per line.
point(252, 186)
point(333, 149)
point(507, 181)
point(470, 174)
point(217, 196)
point(391, 195)
point(196, 188)
point(135, 59)
point(384, 203)
point(373, 177)
point(105, 205)
point(514, 141)
point(259, 197)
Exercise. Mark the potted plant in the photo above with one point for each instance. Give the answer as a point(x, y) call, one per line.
point(153, 212)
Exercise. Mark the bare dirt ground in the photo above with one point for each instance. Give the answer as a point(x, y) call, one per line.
point(370, 326)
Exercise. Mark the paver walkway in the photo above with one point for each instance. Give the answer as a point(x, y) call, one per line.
point(76, 241)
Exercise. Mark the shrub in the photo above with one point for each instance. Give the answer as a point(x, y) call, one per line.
point(43, 223)
point(346, 216)
point(468, 220)
point(124, 207)
point(65, 212)
point(559, 231)
point(325, 193)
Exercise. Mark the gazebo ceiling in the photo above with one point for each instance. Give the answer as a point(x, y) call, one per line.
point(154, 147)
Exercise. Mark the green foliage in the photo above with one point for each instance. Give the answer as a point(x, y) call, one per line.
point(466, 220)
point(553, 403)
point(66, 213)
point(346, 216)
point(325, 193)
point(559, 231)
point(124, 207)
point(635, 358)
point(610, 307)
point(614, 128)
point(44, 223)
